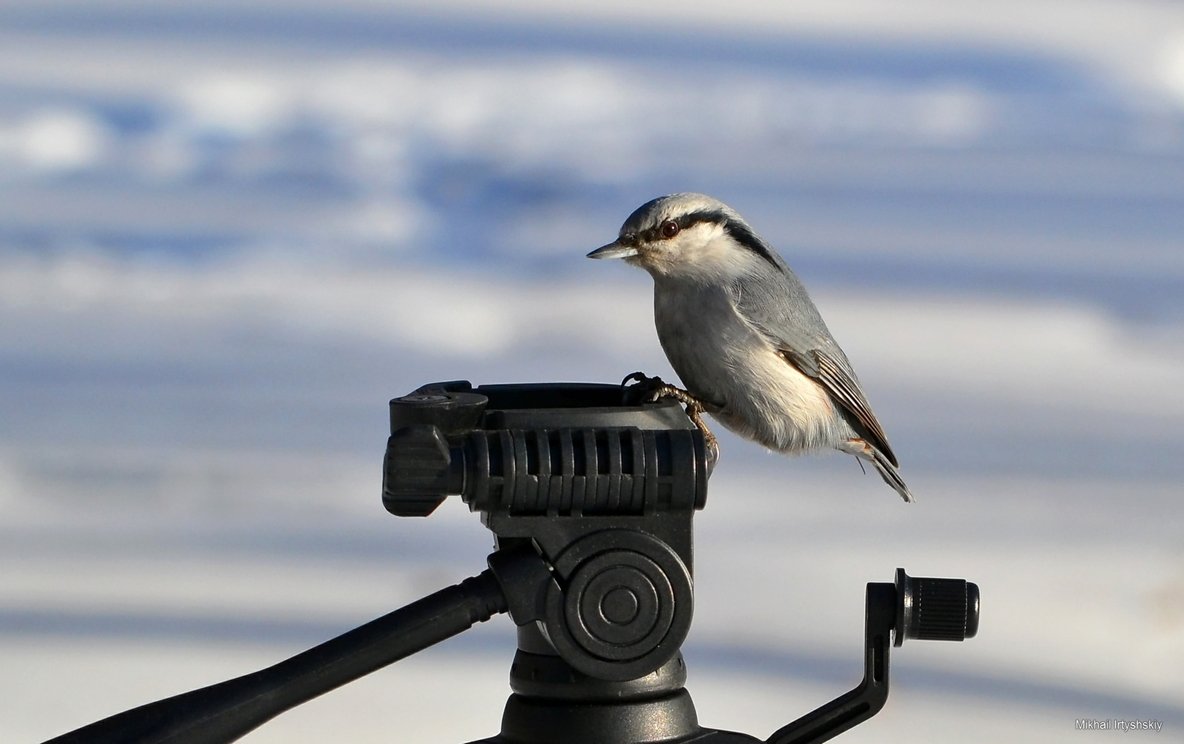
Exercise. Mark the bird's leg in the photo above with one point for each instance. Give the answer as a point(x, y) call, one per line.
point(695, 414)
point(655, 389)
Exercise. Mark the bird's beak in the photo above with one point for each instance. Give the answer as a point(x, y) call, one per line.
point(614, 249)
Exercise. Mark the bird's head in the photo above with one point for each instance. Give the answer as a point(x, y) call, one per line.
point(689, 236)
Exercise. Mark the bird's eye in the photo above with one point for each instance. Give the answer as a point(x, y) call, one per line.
point(669, 229)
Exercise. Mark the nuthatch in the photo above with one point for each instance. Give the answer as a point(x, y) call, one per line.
point(743, 335)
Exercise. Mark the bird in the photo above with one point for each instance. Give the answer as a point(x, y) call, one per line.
point(744, 337)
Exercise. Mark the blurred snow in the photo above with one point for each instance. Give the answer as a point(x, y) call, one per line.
point(230, 232)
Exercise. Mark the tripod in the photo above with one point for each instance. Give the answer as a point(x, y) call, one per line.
point(591, 500)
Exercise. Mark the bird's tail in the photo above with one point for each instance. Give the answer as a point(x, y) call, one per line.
point(865, 451)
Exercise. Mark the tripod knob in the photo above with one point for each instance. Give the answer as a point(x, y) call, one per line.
point(419, 469)
point(935, 609)
point(622, 607)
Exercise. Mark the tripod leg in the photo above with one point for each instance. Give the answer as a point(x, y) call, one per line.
point(228, 710)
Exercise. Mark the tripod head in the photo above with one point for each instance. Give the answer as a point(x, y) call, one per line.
point(590, 494)
point(602, 492)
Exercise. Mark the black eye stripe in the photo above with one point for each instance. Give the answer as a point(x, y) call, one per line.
point(739, 232)
point(687, 220)
point(745, 237)
point(694, 218)
point(736, 229)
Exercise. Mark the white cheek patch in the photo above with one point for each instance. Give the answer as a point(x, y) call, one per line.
point(702, 251)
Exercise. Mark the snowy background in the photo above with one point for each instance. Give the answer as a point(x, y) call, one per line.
point(230, 232)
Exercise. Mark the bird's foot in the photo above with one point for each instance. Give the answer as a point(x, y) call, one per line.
point(651, 389)
point(642, 389)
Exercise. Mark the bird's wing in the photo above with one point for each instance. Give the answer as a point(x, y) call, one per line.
point(845, 390)
point(781, 310)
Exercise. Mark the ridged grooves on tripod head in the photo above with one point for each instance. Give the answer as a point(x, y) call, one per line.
point(623, 471)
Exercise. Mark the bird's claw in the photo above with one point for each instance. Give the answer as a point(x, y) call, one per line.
point(643, 388)
point(638, 377)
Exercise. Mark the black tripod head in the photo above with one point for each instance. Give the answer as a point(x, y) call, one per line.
point(601, 491)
